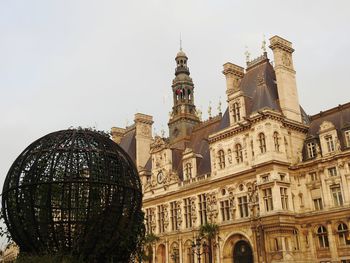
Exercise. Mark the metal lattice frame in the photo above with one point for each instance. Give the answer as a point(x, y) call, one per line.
point(72, 190)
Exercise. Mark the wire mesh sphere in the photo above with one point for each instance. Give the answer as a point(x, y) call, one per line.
point(76, 191)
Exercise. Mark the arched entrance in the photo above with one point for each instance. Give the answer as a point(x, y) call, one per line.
point(160, 256)
point(242, 252)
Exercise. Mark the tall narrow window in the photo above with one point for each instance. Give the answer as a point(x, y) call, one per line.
point(243, 206)
point(187, 212)
point(313, 176)
point(330, 143)
point(161, 219)
point(262, 143)
point(239, 153)
point(202, 205)
point(268, 199)
point(173, 216)
point(221, 155)
point(276, 141)
point(284, 198)
point(343, 234)
point(347, 138)
point(311, 149)
point(296, 240)
point(318, 204)
point(236, 112)
point(225, 210)
point(149, 219)
point(322, 237)
point(337, 195)
point(188, 171)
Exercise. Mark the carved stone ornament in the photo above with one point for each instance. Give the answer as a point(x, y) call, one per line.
point(153, 220)
point(145, 130)
point(326, 125)
point(212, 206)
point(286, 60)
point(193, 210)
point(179, 214)
point(166, 216)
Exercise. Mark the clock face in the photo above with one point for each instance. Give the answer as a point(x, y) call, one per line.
point(160, 177)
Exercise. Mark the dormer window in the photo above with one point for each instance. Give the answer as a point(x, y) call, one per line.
point(221, 156)
point(347, 138)
point(188, 171)
point(311, 149)
point(330, 143)
point(262, 143)
point(236, 112)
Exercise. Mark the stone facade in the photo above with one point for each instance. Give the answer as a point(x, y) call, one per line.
point(275, 180)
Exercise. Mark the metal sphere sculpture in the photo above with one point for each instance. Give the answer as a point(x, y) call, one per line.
point(74, 191)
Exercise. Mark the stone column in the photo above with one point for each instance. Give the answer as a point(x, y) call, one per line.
point(311, 242)
point(332, 244)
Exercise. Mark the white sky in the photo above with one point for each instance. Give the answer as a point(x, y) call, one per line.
point(95, 63)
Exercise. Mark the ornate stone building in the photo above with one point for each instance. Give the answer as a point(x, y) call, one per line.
point(275, 180)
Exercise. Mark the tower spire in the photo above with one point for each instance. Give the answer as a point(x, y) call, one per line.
point(180, 43)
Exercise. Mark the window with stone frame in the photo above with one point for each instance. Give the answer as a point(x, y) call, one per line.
point(262, 142)
point(243, 206)
point(276, 141)
point(347, 138)
point(311, 149)
point(225, 210)
point(221, 157)
point(188, 171)
point(149, 219)
point(239, 153)
point(202, 206)
point(187, 212)
point(343, 234)
point(173, 216)
point(284, 198)
point(318, 205)
point(236, 112)
point(161, 226)
point(267, 196)
point(296, 243)
point(322, 237)
point(313, 176)
point(332, 171)
point(330, 143)
point(337, 195)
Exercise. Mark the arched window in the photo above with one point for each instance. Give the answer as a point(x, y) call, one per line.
point(343, 233)
point(276, 141)
point(239, 153)
point(262, 142)
point(322, 237)
point(236, 112)
point(296, 239)
point(188, 171)
point(221, 155)
point(229, 156)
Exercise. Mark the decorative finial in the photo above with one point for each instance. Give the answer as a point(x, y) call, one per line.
point(247, 54)
point(126, 123)
point(209, 109)
point(219, 105)
point(263, 46)
point(199, 114)
point(162, 132)
point(180, 42)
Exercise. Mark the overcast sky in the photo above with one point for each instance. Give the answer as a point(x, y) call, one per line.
point(97, 63)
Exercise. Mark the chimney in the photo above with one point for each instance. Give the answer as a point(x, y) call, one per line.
point(143, 125)
point(233, 74)
point(285, 76)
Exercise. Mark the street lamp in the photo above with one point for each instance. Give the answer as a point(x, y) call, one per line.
point(196, 248)
point(175, 255)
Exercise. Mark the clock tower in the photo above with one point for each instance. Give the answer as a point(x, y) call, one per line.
point(184, 115)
